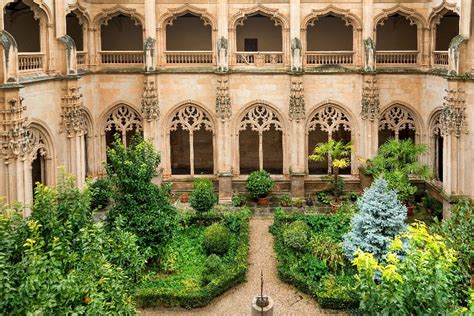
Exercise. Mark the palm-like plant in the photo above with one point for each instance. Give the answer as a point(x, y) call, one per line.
point(338, 155)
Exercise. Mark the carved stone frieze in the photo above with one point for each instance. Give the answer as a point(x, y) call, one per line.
point(73, 117)
point(150, 103)
point(15, 138)
point(453, 118)
point(223, 101)
point(370, 100)
point(297, 105)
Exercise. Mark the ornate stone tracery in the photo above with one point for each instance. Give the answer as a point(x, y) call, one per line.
point(329, 119)
point(190, 118)
point(410, 14)
point(150, 104)
point(73, 117)
point(223, 101)
point(297, 104)
point(453, 115)
point(274, 14)
point(436, 125)
point(370, 100)
point(123, 119)
point(396, 119)
point(15, 138)
point(260, 119)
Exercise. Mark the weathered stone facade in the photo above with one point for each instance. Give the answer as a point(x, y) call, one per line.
point(221, 111)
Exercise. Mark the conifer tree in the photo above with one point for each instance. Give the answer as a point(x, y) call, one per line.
point(380, 218)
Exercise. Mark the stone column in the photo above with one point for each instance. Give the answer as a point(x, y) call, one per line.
point(224, 156)
point(297, 134)
point(295, 36)
point(59, 18)
point(222, 35)
point(370, 105)
point(150, 35)
point(368, 35)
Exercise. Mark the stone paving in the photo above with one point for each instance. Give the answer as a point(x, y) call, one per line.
point(288, 300)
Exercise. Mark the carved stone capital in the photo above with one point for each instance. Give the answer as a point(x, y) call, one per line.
point(73, 119)
point(453, 118)
point(149, 103)
point(14, 133)
point(370, 100)
point(297, 104)
point(223, 101)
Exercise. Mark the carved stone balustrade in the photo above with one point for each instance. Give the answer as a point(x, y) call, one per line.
point(121, 57)
point(28, 62)
point(329, 58)
point(259, 59)
point(189, 57)
point(440, 58)
point(393, 58)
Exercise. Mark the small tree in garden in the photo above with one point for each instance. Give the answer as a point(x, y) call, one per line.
point(203, 198)
point(143, 206)
point(397, 160)
point(259, 184)
point(381, 217)
point(339, 155)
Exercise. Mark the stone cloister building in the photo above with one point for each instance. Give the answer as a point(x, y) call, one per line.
point(224, 87)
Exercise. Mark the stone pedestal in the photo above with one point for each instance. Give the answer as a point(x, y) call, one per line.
point(259, 311)
point(225, 188)
point(297, 185)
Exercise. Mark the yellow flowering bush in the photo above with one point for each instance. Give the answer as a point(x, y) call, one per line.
point(416, 276)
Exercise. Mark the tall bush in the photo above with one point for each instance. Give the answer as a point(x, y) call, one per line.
point(380, 218)
point(259, 184)
point(203, 198)
point(142, 206)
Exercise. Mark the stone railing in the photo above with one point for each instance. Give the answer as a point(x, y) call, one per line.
point(403, 57)
point(81, 58)
point(440, 58)
point(188, 57)
point(329, 58)
point(259, 58)
point(121, 57)
point(30, 61)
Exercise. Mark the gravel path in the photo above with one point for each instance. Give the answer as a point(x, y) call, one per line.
point(236, 301)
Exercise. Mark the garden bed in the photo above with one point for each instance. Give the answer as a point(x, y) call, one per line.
point(316, 264)
point(186, 275)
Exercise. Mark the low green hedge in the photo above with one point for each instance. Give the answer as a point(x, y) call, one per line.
point(197, 295)
point(307, 273)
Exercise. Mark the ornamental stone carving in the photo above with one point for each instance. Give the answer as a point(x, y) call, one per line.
point(15, 138)
point(297, 104)
point(149, 103)
point(222, 54)
point(453, 54)
point(453, 115)
point(73, 117)
point(369, 50)
point(260, 119)
point(329, 119)
point(71, 62)
point(190, 118)
point(296, 48)
point(396, 119)
point(370, 100)
point(223, 101)
point(149, 51)
point(122, 120)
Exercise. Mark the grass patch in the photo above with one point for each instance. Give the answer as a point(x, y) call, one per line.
point(181, 279)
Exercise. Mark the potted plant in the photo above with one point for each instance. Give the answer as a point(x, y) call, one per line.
point(338, 155)
point(397, 161)
point(259, 184)
point(285, 200)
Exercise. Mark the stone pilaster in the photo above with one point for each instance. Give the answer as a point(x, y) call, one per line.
point(370, 114)
point(297, 113)
point(222, 35)
point(224, 113)
point(295, 36)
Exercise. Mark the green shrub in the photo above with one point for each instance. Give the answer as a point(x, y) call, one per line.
point(238, 200)
point(323, 198)
point(100, 191)
point(143, 207)
point(213, 268)
point(259, 184)
point(338, 292)
point(324, 248)
point(203, 198)
point(296, 235)
point(312, 268)
point(216, 239)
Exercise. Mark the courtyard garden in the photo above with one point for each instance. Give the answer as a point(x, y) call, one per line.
point(381, 251)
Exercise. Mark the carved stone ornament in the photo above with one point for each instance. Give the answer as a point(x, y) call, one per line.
point(329, 119)
point(297, 104)
point(122, 120)
point(396, 119)
point(369, 50)
point(190, 118)
point(223, 101)
point(296, 53)
point(260, 119)
point(73, 117)
point(370, 100)
point(150, 104)
point(222, 47)
point(453, 117)
point(453, 54)
point(15, 136)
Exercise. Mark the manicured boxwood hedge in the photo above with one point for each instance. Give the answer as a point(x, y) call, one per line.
point(235, 273)
point(304, 271)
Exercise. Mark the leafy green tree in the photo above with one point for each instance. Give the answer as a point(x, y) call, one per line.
point(143, 207)
point(418, 283)
point(339, 155)
point(380, 218)
point(203, 198)
point(397, 160)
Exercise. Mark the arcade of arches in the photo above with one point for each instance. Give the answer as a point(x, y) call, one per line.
point(221, 95)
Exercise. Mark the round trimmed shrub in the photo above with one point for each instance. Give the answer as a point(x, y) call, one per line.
point(259, 184)
point(203, 198)
point(296, 235)
point(216, 239)
point(213, 268)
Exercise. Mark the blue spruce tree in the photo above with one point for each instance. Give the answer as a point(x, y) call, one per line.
point(381, 217)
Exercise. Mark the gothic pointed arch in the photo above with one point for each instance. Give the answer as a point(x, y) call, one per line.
point(398, 121)
point(436, 145)
point(81, 12)
point(104, 16)
point(39, 8)
point(410, 14)
point(440, 10)
point(173, 13)
point(345, 14)
point(273, 14)
point(123, 120)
